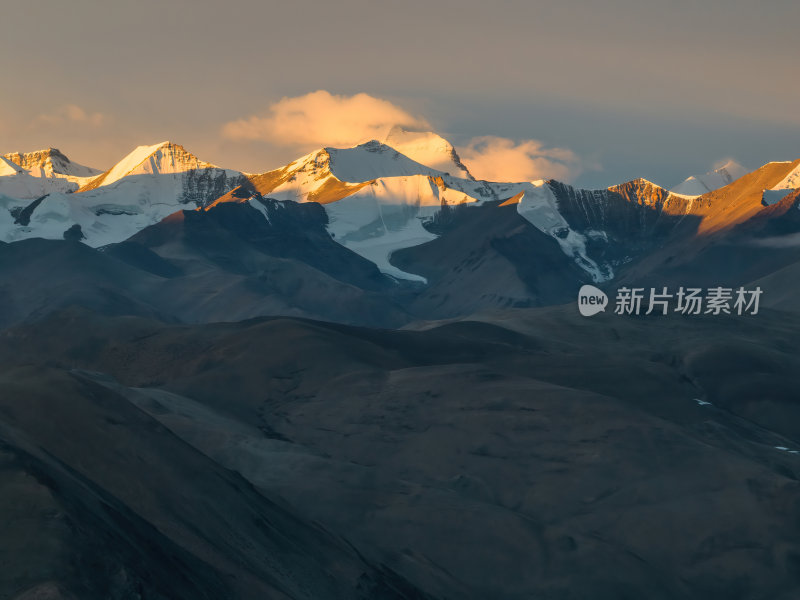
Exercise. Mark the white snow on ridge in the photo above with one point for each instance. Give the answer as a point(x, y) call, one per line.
point(106, 215)
point(159, 159)
point(786, 186)
point(25, 186)
point(539, 206)
point(51, 163)
point(791, 181)
point(685, 196)
point(697, 185)
point(307, 175)
point(130, 162)
point(7, 205)
point(380, 249)
point(32, 175)
point(388, 215)
point(429, 149)
point(376, 198)
point(371, 161)
point(158, 181)
point(691, 187)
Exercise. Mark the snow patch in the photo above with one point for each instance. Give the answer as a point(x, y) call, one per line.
point(539, 206)
point(384, 217)
point(697, 185)
point(260, 207)
point(791, 181)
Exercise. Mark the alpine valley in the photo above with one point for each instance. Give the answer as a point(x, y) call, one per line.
point(364, 375)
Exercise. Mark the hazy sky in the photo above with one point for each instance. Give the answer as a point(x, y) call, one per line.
point(598, 91)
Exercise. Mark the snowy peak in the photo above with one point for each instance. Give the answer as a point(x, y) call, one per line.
point(147, 185)
point(428, 148)
point(377, 199)
point(316, 165)
point(331, 174)
point(163, 158)
point(29, 175)
point(639, 183)
point(373, 160)
point(360, 164)
point(784, 187)
point(594, 227)
point(50, 162)
point(697, 185)
point(307, 179)
point(641, 191)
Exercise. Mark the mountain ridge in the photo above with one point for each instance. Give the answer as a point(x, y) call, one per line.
point(697, 185)
point(29, 175)
point(52, 162)
point(164, 157)
point(379, 201)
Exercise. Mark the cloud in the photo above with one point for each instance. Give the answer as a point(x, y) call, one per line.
point(323, 119)
point(70, 114)
point(790, 240)
point(502, 159)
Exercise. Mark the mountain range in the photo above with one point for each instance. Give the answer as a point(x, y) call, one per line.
point(364, 376)
point(413, 230)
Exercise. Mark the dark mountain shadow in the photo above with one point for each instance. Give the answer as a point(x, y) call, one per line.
point(755, 249)
point(624, 223)
point(488, 257)
point(531, 453)
point(224, 264)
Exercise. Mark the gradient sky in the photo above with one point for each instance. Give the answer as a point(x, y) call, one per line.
point(632, 88)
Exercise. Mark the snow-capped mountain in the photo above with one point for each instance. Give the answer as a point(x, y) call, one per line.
point(428, 148)
point(377, 198)
point(30, 175)
point(51, 163)
point(165, 158)
point(149, 184)
point(697, 185)
point(605, 230)
point(602, 229)
point(786, 186)
point(379, 201)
